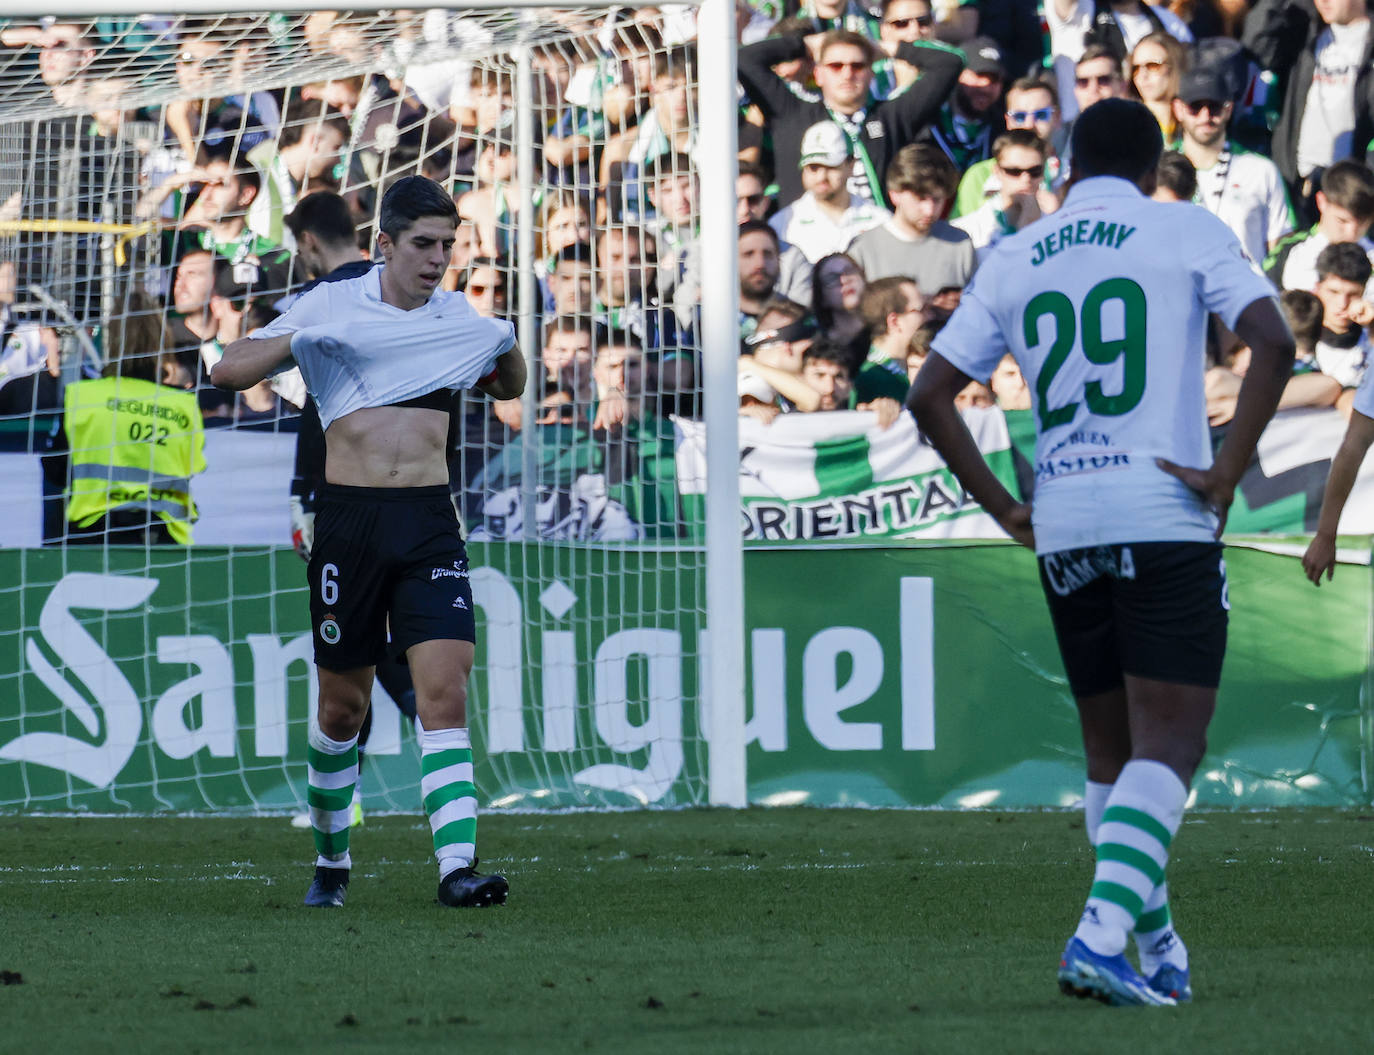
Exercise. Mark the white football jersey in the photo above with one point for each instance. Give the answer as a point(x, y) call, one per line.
point(1104, 306)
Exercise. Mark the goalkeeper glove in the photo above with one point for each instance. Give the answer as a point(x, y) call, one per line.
point(302, 528)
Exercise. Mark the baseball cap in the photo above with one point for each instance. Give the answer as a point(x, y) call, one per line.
point(1202, 83)
point(984, 57)
point(824, 144)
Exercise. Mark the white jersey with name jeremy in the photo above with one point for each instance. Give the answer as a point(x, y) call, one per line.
point(1104, 306)
point(355, 350)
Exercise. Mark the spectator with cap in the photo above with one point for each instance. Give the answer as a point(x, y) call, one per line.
point(1033, 104)
point(1323, 54)
point(1242, 189)
point(828, 216)
point(967, 122)
point(904, 21)
point(875, 130)
point(1019, 157)
point(1115, 26)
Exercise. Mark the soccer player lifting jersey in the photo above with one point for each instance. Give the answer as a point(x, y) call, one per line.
point(381, 356)
point(1104, 306)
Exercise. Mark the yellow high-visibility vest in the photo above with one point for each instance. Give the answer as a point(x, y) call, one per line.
point(134, 445)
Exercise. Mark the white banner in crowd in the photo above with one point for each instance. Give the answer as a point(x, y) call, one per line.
point(804, 477)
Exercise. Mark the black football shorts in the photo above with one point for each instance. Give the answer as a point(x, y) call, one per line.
point(386, 559)
point(1153, 610)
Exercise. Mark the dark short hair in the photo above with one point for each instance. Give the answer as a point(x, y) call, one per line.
point(1020, 137)
point(1344, 260)
point(575, 253)
point(1303, 310)
point(1177, 174)
point(325, 215)
point(615, 337)
point(1116, 137)
point(1350, 185)
point(828, 350)
point(789, 309)
point(409, 199)
point(568, 324)
point(760, 227)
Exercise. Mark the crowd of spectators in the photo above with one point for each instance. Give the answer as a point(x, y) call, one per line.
point(884, 150)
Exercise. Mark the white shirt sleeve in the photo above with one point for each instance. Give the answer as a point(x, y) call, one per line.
point(1225, 279)
point(309, 309)
point(972, 340)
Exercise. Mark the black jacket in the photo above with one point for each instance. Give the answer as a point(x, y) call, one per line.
point(887, 127)
point(1282, 34)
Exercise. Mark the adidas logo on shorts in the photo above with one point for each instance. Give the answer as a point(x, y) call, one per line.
point(460, 603)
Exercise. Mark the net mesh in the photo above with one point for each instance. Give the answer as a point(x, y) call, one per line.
point(147, 674)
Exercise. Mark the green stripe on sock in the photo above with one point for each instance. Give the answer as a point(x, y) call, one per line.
point(1153, 921)
point(438, 760)
point(459, 789)
point(331, 844)
point(1132, 858)
point(333, 799)
point(459, 831)
point(1118, 895)
point(323, 763)
point(1138, 819)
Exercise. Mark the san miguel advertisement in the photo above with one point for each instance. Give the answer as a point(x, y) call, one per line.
point(147, 682)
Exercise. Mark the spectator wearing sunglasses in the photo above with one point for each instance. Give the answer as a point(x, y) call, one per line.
point(875, 130)
point(1018, 160)
point(1032, 104)
point(1157, 64)
point(1075, 26)
point(1243, 190)
point(904, 21)
point(853, 15)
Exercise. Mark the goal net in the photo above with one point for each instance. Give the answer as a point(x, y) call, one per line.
point(151, 168)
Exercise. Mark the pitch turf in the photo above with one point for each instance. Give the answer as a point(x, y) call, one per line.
point(702, 931)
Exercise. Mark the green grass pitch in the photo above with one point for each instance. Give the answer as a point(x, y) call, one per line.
point(784, 930)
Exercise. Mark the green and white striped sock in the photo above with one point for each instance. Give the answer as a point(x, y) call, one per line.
point(1156, 939)
point(331, 774)
point(450, 796)
point(1142, 814)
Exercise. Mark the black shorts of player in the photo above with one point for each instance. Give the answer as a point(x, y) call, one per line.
point(384, 559)
point(1153, 610)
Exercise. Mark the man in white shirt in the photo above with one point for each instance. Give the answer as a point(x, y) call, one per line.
point(827, 217)
point(1243, 190)
point(388, 570)
point(1104, 306)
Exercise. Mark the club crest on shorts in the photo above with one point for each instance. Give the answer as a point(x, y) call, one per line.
point(329, 631)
